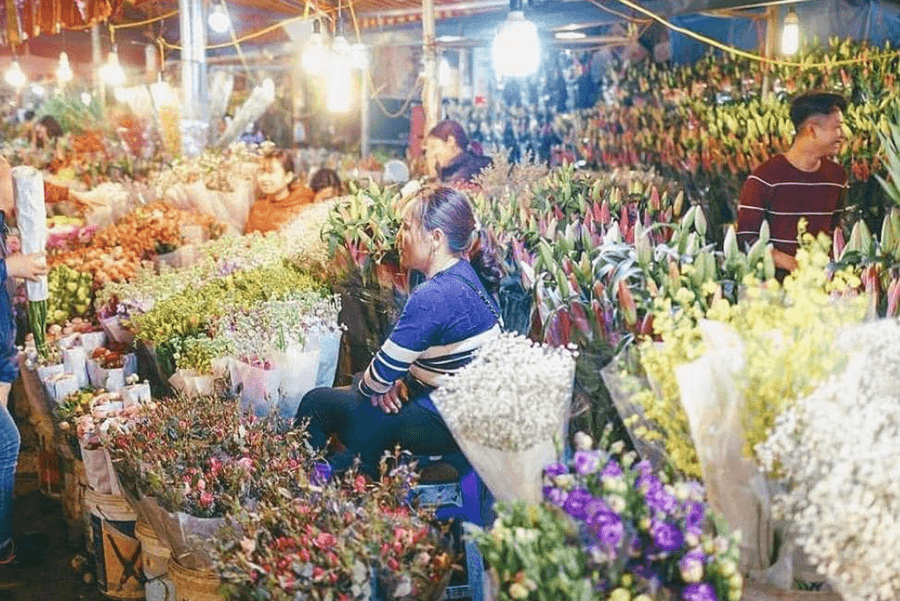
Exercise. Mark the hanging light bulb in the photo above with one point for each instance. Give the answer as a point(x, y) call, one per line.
point(338, 88)
point(64, 70)
point(444, 73)
point(86, 98)
point(39, 90)
point(790, 34)
point(517, 48)
point(14, 76)
point(315, 55)
point(111, 72)
point(218, 19)
point(359, 57)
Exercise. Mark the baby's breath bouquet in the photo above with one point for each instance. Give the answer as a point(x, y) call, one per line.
point(835, 452)
point(507, 410)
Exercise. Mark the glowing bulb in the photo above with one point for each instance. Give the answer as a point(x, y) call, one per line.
point(337, 84)
point(358, 56)
point(39, 90)
point(218, 19)
point(444, 73)
point(315, 55)
point(790, 34)
point(111, 72)
point(517, 48)
point(86, 98)
point(121, 94)
point(14, 75)
point(340, 46)
point(64, 70)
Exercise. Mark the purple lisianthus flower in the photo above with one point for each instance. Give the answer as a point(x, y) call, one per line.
point(607, 527)
point(586, 462)
point(612, 470)
point(321, 473)
point(691, 565)
point(694, 516)
point(649, 484)
point(659, 500)
point(593, 506)
point(555, 469)
point(699, 592)
point(666, 537)
point(555, 495)
point(576, 503)
point(644, 468)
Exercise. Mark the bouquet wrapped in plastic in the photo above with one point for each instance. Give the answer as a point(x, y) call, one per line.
point(508, 410)
point(28, 191)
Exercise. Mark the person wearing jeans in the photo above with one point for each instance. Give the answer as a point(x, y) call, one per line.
point(30, 267)
point(445, 321)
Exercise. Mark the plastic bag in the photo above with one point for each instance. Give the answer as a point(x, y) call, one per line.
point(98, 468)
point(329, 347)
point(31, 216)
point(735, 487)
point(191, 383)
point(259, 388)
point(299, 370)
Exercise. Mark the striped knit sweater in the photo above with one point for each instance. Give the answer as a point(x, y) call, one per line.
point(442, 325)
point(781, 194)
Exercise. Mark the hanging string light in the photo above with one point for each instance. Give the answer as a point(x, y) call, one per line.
point(790, 34)
point(111, 72)
point(517, 48)
point(338, 85)
point(218, 19)
point(14, 76)
point(64, 70)
point(315, 55)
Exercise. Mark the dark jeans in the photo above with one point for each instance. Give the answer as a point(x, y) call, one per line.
point(9, 455)
point(368, 431)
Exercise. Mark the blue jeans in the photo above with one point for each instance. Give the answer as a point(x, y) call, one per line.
point(368, 431)
point(9, 454)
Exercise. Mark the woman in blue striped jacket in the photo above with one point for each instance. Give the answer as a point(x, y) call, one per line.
point(445, 321)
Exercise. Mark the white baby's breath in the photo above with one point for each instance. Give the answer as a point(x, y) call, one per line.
point(512, 396)
point(837, 452)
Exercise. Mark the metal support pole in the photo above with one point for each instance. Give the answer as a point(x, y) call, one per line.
point(96, 55)
point(364, 112)
point(770, 49)
point(431, 91)
point(194, 86)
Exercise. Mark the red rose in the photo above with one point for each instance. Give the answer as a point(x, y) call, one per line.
point(325, 540)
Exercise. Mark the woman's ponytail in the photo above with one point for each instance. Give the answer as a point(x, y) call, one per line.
point(485, 260)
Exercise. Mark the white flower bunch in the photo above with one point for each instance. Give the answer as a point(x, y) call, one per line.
point(514, 395)
point(837, 453)
point(275, 326)
point(215, 168)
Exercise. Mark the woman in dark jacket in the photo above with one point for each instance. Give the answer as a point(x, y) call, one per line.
point(455, 160)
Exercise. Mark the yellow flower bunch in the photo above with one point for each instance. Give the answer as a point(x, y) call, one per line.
point(788, 333)
point(789, 336)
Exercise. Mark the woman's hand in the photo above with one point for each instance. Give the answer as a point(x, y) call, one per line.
point(29, 267)
point(392, 401)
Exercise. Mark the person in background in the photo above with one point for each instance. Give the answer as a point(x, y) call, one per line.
point(802, 183)
point(30, 267)
point(453, 158)
point(47, 129)
point(282, 196)
point(445, 321)
point(325, 184)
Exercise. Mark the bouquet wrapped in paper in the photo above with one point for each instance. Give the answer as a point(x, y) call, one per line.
point(28, 191)
point(508, 410)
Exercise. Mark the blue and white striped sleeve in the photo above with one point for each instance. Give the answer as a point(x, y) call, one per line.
point(411, 337)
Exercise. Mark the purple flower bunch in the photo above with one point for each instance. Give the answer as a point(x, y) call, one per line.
point(643, 536)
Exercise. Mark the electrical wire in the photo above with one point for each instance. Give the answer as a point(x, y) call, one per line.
point(114, 26)
point(620, 15)
point(742, 53)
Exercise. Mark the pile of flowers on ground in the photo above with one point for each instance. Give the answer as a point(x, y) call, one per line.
point(327, 541)
point(610, 526)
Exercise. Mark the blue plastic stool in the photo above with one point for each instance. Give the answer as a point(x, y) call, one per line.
point(466, 498)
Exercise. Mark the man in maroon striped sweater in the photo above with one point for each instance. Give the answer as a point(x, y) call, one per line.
point(801, 183)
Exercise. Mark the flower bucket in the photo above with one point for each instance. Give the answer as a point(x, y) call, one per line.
point(194, 585)
point(117, 553)
point(157, 586)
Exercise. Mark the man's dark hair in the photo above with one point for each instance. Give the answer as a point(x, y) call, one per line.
point(815, 103)
point(324, 178)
